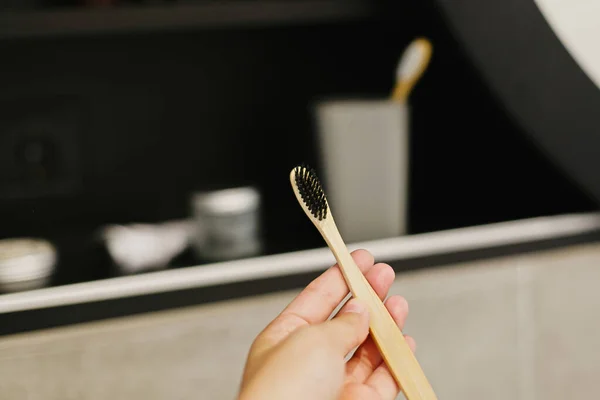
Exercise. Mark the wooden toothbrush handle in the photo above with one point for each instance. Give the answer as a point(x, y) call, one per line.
point(402, 90)
point(386, 334)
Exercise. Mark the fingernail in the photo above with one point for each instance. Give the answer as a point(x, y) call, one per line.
point(355, 306)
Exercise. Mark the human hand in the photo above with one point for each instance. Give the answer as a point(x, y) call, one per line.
point(301, 354)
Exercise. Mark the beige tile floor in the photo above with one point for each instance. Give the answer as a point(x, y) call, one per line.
point(566, 329)
point(520, 327)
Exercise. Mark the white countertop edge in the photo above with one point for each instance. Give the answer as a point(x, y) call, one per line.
point(463, 239)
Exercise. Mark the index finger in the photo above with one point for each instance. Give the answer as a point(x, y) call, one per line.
point(320, 298)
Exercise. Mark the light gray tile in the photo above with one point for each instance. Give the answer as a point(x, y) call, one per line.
point(187, 354)
point(567, 305)
point(465, 322)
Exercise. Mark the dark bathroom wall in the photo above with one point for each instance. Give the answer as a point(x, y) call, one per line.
point(133, 123)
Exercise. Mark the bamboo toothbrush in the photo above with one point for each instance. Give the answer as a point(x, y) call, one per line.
point(389, 339)
point(411, 67)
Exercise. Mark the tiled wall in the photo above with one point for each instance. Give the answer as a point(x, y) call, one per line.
point(518, 328)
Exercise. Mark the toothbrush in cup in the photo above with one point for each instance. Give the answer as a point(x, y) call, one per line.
point(390, 341)
point(411, 67)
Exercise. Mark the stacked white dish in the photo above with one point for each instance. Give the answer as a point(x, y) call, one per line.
point(25, 264)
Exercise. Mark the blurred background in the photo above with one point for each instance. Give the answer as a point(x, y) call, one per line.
point(149, 135)
point(117, 116)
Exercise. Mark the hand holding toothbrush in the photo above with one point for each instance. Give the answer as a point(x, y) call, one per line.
point(301, 354)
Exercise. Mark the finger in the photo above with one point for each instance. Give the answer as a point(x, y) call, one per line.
point(411, 343)
point(320, 298)
point(367, 357)
point(313, 305)
point(381, 277)
point(353, 391)
point(349, 329)
point(382, 381)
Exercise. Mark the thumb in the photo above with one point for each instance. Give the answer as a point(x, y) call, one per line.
point(349, 328)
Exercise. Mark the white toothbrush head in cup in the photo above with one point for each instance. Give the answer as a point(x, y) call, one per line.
point(411, 67)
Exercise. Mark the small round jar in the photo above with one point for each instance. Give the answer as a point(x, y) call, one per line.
point(227, 224)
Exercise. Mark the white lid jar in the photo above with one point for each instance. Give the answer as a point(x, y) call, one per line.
point(227, 223)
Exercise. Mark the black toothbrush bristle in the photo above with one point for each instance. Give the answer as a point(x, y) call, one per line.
point(311, 191)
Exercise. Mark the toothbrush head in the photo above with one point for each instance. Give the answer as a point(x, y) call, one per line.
point(309, 192)
point(414, 60)
point(411, 66)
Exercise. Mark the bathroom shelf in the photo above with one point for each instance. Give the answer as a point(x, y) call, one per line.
point(209, 283)
point(201, 15)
